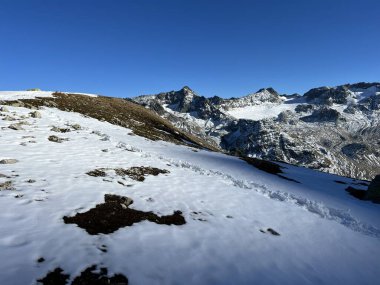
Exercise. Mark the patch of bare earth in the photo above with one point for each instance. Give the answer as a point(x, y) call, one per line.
point(137, 173)
point(57, 139)
point(115, 213)
point(7, 185)
point(90, 276)
point(55, 277)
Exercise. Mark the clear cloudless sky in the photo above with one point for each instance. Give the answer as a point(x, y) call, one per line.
point(217, 47)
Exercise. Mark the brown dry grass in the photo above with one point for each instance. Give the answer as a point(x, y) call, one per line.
point(119, 112)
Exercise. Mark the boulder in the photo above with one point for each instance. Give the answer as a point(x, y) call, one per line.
point(373, 192)
point(4, 109)
point(16, 127)
point(35, 114)
point(8, 161)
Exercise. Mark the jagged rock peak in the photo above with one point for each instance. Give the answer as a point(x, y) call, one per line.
point(262, 95)
point(270, 90)
point(186, 91)
point(341, 94)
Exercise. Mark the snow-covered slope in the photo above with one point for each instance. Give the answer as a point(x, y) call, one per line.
point(262, 111)
point(17, 95)
point(233, 211)
point(333, 129)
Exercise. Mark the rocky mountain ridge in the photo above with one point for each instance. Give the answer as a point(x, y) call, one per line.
point(332, 129)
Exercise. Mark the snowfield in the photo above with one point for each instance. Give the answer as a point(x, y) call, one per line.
point(18, 95)
point(261, 111)
point(326, 236)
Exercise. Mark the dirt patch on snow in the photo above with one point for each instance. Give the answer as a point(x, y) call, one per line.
point(114, 214)
point(55, 277)
point(7, 185)
point(97, 173)
point(57, 139)
point(270, 231)
point(137, 173)
point(90, 276)
point(60, 130)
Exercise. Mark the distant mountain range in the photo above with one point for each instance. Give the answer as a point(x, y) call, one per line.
point(332, 129)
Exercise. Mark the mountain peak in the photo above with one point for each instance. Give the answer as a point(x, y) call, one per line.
point(268, 89)
point(186, 88)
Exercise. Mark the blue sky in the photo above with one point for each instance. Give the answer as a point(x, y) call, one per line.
point(217, 47)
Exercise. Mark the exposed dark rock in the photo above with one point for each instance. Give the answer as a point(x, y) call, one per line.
point(7, 185)
point(97, 173)
point(304, 108)
point(373, 192)
point(327, 95)
point(16, 127)
point(57, 139)
point(322, 115)
point(76, 127)
point(357, 193)
point(114, 214)
point(270, 231)
point(354, 150)
point(286, 117)
point(339, 182)
point(60, 130)
point(40, 260)
point(35, 114)
point(264, 165)
point(139, 173)
point(8, 161)
point(92, 276)
point(273, 232)
point(55, 277)
point(111, 198)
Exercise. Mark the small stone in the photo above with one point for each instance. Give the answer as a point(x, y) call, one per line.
point(41, 259)
point(97, 173)
point(8, 161)
point(35, 114)
point(16, 127)
point(273, 232)
point(126, 201)
point(76, 127)
point(4, 109)
point(57, 139)
point(7, 185)
point(60, 130)
point(9, 118)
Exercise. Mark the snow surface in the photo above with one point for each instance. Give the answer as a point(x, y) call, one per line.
point(261, 111)
point(17, 95)
point(327, 236)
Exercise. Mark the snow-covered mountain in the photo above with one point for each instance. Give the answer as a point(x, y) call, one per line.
point(332, 129)
point(99, 190)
